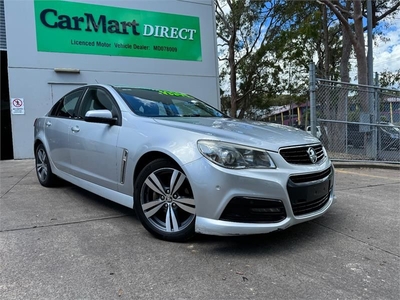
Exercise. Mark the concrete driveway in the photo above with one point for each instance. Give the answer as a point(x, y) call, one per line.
point(65, 243)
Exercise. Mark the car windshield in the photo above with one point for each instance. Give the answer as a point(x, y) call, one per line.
point(159, 103)
point(391, 129)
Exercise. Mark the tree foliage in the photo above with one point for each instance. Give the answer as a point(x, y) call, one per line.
point(389, 79)
point(352, 17)
point(265, 47)
point(249, 32)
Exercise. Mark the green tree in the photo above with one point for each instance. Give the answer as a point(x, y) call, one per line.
point(390, 79)
point(313, 32)
point(249, 31)
point(351, 15)
point(266, 47)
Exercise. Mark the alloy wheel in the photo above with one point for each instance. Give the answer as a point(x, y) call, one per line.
point(42, 164)
point(167, 200)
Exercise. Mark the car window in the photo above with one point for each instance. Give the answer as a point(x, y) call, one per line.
point(390, 130)
point(193, 108)
point(158, 103)
point(96, 99)
point(65, 107)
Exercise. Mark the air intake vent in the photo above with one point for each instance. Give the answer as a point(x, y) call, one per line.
point(311, 177)
point(250, 210)
point(310, 206)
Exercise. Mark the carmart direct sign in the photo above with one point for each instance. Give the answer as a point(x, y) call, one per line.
point(70, 27)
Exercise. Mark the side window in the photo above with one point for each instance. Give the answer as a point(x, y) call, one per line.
point(66, 106)
point(96, 99)
point(56, 107)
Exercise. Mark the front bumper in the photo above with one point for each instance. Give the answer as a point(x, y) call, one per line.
point(215, 187)
point(225, 228)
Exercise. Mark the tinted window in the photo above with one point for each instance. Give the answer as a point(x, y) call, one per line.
point(152, 103)
point(96, 99)
point(65, 107)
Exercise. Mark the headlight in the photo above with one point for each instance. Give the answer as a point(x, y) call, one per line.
point(235, 156)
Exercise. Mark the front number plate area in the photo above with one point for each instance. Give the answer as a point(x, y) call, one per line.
point(317, 191)
point(309, 193)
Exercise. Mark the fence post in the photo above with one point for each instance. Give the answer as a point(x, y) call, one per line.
point(346, 132)
point(373, 120)
point(313, 108)
point(377, 99)
point(376, 133)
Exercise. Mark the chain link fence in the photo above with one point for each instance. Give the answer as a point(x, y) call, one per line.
point(357, 123)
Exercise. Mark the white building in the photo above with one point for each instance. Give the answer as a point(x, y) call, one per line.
point(51, 47)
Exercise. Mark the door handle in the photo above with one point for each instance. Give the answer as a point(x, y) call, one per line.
point(48, 124)
point(75, 129)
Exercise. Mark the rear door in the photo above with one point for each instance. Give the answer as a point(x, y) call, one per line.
point(59, 89)
point(93, 146)
point(57, 128)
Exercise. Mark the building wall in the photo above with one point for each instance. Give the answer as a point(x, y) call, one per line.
point(33, 78)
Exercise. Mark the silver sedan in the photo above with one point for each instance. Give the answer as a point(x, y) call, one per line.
point(183, 165)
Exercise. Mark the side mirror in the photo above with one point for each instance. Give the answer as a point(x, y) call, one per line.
point(100, 116)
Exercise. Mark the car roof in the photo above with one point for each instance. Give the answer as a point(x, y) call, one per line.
point(116, 86)
point(133, 87)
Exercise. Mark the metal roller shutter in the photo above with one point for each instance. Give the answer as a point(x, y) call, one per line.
point(3, 40)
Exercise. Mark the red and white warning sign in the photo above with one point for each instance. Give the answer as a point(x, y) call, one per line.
point(17, 106)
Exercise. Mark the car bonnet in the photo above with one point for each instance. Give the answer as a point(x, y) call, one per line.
point(263, 135)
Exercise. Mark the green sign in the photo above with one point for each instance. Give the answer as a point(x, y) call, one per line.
point(70, 27)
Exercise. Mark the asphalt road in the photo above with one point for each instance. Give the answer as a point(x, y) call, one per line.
point(65, 243)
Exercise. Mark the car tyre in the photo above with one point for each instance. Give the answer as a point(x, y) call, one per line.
point(164, 201)
point(43, 168)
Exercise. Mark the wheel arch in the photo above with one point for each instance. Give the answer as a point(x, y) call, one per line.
point(39, 141)
point(36, 144)
point(148, 157)
point(43, 165)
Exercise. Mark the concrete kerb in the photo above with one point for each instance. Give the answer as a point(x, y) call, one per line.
point(365, 164)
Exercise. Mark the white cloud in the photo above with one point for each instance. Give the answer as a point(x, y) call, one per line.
point(387, 54)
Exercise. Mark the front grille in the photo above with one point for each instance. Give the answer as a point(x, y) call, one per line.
point(311, 177)
point(299, 155)
point(308, 207)
point(250, 210)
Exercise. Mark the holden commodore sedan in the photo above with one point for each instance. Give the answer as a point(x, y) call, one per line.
point(183, 165)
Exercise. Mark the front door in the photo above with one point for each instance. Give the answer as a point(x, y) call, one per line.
point(93, 146)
